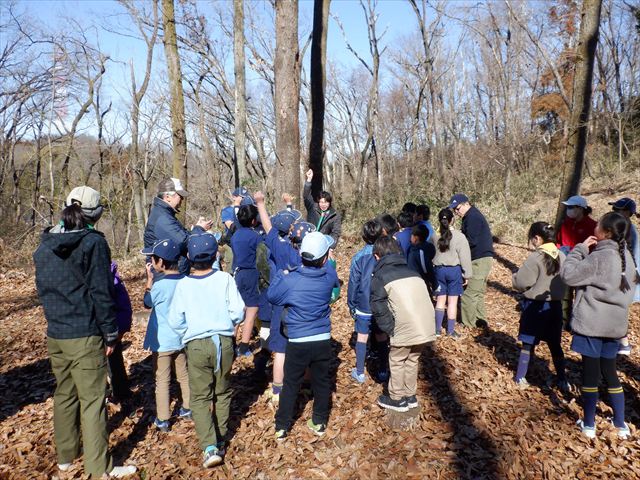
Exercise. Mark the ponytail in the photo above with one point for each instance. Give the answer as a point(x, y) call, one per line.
point(547, 233)
point(444, 217)
point(73, 218)
point(617, 225)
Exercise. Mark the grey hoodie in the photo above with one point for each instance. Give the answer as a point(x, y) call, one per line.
point(600, 308)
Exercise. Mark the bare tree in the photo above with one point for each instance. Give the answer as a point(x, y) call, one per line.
point(178, 128)
point(240, 130)
point(581, 104)
point(287, 93)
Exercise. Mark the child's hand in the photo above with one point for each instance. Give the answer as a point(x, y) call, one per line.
point(204, 223)
point(309, 175)
point(236, 201)
point(287, 198)
point(149, 268)
point(258, 197)
point(591, 241)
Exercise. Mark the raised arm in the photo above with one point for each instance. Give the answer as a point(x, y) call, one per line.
point(262, 211)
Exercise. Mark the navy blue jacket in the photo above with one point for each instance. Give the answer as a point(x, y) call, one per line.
point(306, 291)
point(420, 260)
point(359, 289)
point(282, 254)
point(75, 285)
point(163, 225)
point(403, 237)
point(476, 228)
point(244, 244)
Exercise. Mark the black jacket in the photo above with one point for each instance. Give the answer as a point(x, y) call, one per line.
point(476, 228)
point(75, 284)
point(332, 223)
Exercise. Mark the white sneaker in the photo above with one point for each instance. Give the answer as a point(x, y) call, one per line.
point(589, 432)
point(121, 472)
point(623, 432)
point(64, 467)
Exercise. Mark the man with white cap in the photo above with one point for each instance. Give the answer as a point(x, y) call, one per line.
point(163, 224)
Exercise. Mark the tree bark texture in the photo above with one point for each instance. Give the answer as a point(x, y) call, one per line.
point(318, 83)
point(581, 105)
point(178, 132)
point(240, 113)
point(287, 93)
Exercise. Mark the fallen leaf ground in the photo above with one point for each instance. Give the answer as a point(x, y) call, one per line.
point(473, 422)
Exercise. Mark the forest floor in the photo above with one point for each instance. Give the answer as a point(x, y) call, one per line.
point(473, 422)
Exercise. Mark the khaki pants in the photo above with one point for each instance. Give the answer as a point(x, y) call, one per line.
point(403, 368)
point(80, 368)
point(473, 298)
point(162, 362)
point(209, 386)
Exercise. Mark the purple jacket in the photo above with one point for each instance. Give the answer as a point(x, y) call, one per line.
point(124, 311)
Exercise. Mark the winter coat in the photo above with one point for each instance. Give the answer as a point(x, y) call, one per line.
point(306, 291)
point(600, 308)
point(332, 222)
point(75, 285)
point(476, 228)
point(458, 253)
point(124, 312)
point(163, 225)
point(532, 279)
point(400, 303)
point(359, 288)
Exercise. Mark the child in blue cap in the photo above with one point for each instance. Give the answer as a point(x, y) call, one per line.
point(205, 310)
point(164, 343)
point(306, 291)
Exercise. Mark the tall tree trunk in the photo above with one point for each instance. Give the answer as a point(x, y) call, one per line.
point(318, 83)
point(240, 134)
point(287, 92)
point(581, 105)
point(178, 132)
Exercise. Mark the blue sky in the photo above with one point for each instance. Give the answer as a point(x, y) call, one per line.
point(395, 16)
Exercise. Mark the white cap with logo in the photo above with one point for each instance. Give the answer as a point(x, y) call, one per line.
point(315, 245)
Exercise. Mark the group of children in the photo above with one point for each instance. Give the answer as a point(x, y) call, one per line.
point(404, 264)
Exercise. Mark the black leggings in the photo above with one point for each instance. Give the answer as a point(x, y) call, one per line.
point(594, 367)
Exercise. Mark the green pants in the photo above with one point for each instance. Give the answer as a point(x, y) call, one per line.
point(207, 386)
point(80, 368)
point(473, 298)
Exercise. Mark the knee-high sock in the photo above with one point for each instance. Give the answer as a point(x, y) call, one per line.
point(439, 318)
point(361, 353)
point(523, 361)
point(451, 325)
point(617, 403)
point(589, 402)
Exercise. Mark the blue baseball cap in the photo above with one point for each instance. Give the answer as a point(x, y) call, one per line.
point(624, 203)
point(457, 199)
point(228, 214)
point(283, 220)
point(247, 200)
point(315, 245)
point(202, 247)
point(166, 249)
point(240, 192)
point(300, 230)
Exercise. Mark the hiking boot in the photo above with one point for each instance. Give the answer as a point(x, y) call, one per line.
point(358, 377)
point(281, 435)
point(386, 401)
point(589, 432)
point(162, 425)
point(317, 429)
point(211, 457)
point(412, 401)
point(564, 386)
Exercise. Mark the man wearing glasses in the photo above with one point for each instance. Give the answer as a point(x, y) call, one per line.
point(476, 228)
